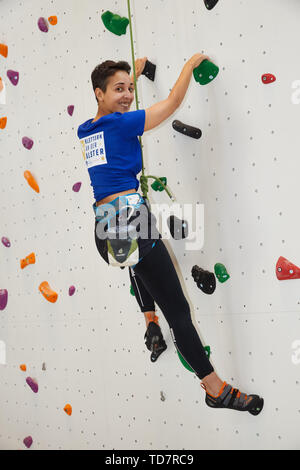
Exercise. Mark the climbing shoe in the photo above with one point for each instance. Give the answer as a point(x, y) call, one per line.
point(154, 340)
point(233, 399)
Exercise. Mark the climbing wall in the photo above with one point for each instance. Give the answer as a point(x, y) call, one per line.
point(75, 373)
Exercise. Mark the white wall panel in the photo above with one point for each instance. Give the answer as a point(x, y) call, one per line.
point(244, 169)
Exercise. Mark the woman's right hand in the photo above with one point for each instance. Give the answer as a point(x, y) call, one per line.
point(196, 59)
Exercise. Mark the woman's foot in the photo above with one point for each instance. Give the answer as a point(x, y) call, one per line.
point(154, 340)
point(232, 398)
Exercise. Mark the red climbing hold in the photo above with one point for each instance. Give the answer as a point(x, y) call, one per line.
point(286, 270)
point(268, 78)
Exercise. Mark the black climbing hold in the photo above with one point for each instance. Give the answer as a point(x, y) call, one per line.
point(210, 4)
point(205, 280)
point(185, 129)
point(149, 70)
point(178, 228)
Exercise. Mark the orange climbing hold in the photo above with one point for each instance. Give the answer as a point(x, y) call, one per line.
point(1, 85)
point(68, 409)
point(3, 122)
point(23, 367)
point(52, 20)
point(30, 259)
point(47, 292)
point(31, 181)
point(3, 50)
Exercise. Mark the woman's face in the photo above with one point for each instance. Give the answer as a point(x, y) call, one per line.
point(119, 93)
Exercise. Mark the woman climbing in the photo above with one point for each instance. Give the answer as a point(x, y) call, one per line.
point(113, 156)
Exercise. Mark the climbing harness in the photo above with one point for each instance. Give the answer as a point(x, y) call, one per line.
point(115, 228)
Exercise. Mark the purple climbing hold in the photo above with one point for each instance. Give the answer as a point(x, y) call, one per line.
point(71, 290)
point(5, 242)
point(43, 25)
point(27, 142)
point(71, 109)
point(28, 441)
point(3, 298)
point(32, 384)
point(76, 187)
point(13, 76)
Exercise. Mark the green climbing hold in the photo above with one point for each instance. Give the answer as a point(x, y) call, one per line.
point(207, 350)
point(114, 23)
point(205, 72)
point(186, 365)
point(132, 291)
point(157, 186)
point(221, 272)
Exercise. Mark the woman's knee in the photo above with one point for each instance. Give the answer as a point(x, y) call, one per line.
point(178, 314)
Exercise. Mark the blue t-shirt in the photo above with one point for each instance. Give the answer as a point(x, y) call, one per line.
point(112, 151)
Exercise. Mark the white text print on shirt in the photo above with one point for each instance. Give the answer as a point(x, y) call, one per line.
point(93, 149)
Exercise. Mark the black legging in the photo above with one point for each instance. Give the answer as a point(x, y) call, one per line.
point(154, 279)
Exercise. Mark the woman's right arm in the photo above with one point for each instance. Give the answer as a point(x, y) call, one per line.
point(159, 112)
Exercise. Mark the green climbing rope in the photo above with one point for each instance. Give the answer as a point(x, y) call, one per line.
point(143, 178)
point(144, 187)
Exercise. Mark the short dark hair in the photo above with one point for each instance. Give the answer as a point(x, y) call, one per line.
point(106, 69)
